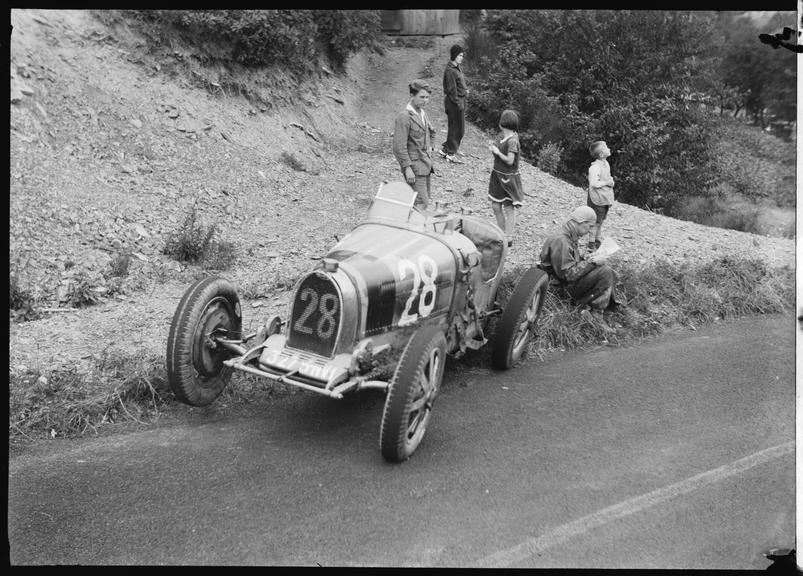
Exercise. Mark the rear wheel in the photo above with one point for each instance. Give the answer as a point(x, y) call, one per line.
point(412, 392)
point(195, 368)
point(517, 324)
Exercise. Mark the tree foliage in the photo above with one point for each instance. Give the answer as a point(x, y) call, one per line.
point(632, 78)
point(294, 38)
point(761, 77)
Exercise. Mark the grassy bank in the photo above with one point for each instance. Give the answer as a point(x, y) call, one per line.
point(660, 296)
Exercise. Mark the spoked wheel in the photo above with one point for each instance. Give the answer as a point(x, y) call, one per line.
point(516, 326)
point(195, 368)
point(412, 392)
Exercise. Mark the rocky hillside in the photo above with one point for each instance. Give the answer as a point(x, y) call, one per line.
point(112, 144)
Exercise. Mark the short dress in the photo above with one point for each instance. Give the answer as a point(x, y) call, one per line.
point(505, 183)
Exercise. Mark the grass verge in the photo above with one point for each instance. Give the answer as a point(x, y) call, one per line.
point(660, 296)
point(71, 402)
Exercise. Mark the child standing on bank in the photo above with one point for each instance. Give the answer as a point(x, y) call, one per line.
point(600, 188)
point(504, 188)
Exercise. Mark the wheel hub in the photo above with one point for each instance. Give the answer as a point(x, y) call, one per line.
point(207, 355)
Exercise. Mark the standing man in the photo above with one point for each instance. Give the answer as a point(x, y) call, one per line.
point(454, 89)
point(412, 142)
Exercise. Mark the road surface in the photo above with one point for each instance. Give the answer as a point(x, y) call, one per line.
point(677, 452)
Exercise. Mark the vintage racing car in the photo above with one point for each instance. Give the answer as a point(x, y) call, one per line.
point(405, 288)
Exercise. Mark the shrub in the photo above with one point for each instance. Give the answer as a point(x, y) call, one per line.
point(82, 290)
point(789, 230)
point(717, 212)
point(549, 157)
point(296, 38)
point(479, 48)
point(289, 159)
point(191, 241)
point(21, 303)
point(345, 32)
point(637, 95)
point(196, 243)
point(118, 266)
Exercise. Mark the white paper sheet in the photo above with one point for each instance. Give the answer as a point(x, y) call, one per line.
point(608, 247)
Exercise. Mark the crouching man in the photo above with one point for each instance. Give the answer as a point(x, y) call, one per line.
point(588, 279)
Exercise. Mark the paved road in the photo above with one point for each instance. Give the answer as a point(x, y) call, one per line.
point(675, 453)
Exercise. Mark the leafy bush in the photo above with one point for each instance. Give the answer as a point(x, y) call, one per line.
point(191, 241)
point(637, 93)
point(82, 291)
point(119, 265)
point(347, 31)
point(755, 163)
point(21, 303)
point(549, 157)
point(759, 77)
point(716, 211)
point(195, 242)
point(480, 49)
point(295, 38)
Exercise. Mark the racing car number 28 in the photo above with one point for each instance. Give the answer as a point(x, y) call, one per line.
point(424, 272)
point(315, 318)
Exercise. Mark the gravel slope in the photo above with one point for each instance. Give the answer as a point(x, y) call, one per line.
point(110, 149)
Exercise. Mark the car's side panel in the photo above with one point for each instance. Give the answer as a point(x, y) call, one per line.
point(408, 276)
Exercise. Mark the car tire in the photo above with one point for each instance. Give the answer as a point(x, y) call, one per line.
point(195, 369)
point(415, 385)
point(515, 327)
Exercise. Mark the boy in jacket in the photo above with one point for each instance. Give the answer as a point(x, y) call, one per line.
point(412, 142)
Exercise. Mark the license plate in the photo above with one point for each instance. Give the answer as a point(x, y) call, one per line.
point(290, 363)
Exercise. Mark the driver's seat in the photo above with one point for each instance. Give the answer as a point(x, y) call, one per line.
point(490, 242)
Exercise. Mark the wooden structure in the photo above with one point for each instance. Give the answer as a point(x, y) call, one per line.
point(421, 22)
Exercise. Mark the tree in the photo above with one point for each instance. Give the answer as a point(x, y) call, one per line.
point(764, 75)
point(632, 78)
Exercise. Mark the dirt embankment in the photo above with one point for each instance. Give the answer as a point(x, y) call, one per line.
point(112, 144)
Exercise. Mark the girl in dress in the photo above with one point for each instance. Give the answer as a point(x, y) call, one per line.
point(504, 188)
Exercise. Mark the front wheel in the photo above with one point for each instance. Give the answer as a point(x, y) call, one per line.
point(517, 323)
point(195, 368)
point(412, 392)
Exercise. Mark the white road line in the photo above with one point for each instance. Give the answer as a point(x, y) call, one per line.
point(533, 546)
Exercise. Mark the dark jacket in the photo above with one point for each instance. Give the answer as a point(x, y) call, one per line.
point(412, 142)
point(454, 84)
point(561, 256)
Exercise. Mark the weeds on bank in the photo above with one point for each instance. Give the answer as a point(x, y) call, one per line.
point(77, 287)
point(119, 388)
point(68, 402)
point(21, 303)
point(549, 157)
point(289, 159)
point(716, 211)
point(196, 243)
point(119, 265)
point(660, 295)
